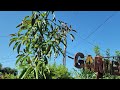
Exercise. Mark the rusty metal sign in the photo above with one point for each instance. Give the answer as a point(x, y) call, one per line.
point(98, 64)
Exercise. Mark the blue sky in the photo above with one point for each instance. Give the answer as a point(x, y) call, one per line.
point(84, 22)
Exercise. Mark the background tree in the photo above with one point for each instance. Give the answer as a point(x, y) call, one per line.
point(117, 53)
point(8, 70)
point(108, 52)
point(0, 66)
point(97, 50)
point(40, 35)
point(107, 61)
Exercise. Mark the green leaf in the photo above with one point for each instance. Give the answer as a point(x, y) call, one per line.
point(59, 21)
point(60, 49)
point(37, 69)
point(19, 31)
point(26, 17)
point(27, 72)
point(40, 28)
point(54, 19)
point(27, 47)
point(23, 28)
point(27, 22)
point(23, 42)
point(37, 16)
point(12, 35)
point(43, 14)
point(11, 42)
point(24, 50)
point(45, 60)
point(20, 34)
point(72, 37)
point(22, 73)
point(70, 57)
point(44, 75)
point(18, 49)
point(48, 49)
point(52, 12)
point(74, 31)
point(33, 21)
point(51, 26)
point(36, 72)
point(16, 44)
point(63, 43)
point(19, 55)
point(19, 59)
point(19, 25)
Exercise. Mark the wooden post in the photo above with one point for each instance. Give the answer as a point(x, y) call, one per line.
point(64, 56)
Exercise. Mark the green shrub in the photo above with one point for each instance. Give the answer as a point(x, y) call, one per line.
point(59, 72)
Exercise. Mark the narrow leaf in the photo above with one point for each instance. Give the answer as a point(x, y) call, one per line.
point(72, 37)
point(63, 43)
point(18, 60)
point(26, 17)
point(48, 49)
point(74, 31)
point(19, 25)
point(27, 72)
point(11, 42)
point(18, 49)
point(51, 26)
point(12, 35)
point(22, 73)
point(16, 44)
point(70, 57)
point(37, 70)
point(33, 21)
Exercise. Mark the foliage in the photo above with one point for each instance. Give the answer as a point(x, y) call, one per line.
point(59, 72)
point(39, 36)
point(117, 53)
point(92, 75)
point(84, 74)
point(108, 52)
point(97, 50)
point(0, 66)
point(8, 70)
point(107, 60)
point(8, 76)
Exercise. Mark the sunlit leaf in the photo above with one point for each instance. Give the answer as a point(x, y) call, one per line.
point(26, 17)
point(11, 42)
point(19, 59)
point(27, 72)
point(48, 49)
point(18, 49)
point(37, 70)
point(16, 44)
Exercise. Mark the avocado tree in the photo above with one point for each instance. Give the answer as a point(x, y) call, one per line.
point(39, 36)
